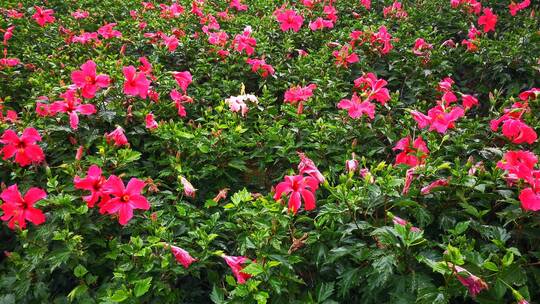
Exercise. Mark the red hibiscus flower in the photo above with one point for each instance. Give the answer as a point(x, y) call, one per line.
point(43, 16)
point(24, 148)
point(93, 182)
point(124, 199)
point(298, 188)
point(411, 155)
point(488, 20)
point(236, 262)
point(87, 80)
point(18, 209)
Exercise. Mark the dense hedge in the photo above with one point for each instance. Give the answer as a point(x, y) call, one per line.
point(347, 151)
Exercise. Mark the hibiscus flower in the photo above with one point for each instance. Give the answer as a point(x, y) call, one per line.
point(87, 80)
point(18, 209)
point(72, 106)
point(123, 199)
point(24, 148)
point(93, 182)
point(235, 263)
point(298, 188)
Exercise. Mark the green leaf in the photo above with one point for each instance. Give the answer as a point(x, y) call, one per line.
point(490, 266)
point(253, 269)
point(142, 286)
point(80, 271)
point(324, 291)
point(119, 296)
point(217, 295)
point(77, 292)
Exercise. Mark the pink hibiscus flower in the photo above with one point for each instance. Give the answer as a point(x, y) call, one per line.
point(182, 256)
point(73, 107)
point(24, 148)
point(136, 83)
point(356, 107)
point(183, 79)
point(189, 190)
point(151, 123)
point(235, 263)
point(488, 20)
point(307, 166)
point(298, 188)
point(374, 88)
point(411, 155)
point(244, 42)
point(123, 199)
point(260, 66)
point(289, 19)
point(298, 94)
point(93, 182)
point(43, 16)
point(108, 32)
point(117, 136)
point(87, 80)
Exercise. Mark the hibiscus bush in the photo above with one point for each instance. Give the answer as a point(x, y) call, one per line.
point(309, 151)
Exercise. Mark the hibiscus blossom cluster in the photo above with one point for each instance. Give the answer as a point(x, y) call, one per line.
point(444, 115)
point(395, 11)
point(183, 80)
point(7, 61)
point(328, 21)
point(238, 103)
point(367, 88)
point(520, 166)
point(300, 188)
point(513, 126)
point(86, 83)
point(111, 195)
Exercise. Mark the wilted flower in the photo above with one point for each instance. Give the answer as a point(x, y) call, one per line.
point(472, 282)
point(189, 190)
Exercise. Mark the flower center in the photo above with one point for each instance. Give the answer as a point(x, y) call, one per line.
point(125, 198)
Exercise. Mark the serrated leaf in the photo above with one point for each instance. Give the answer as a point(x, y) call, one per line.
point(142, 286)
